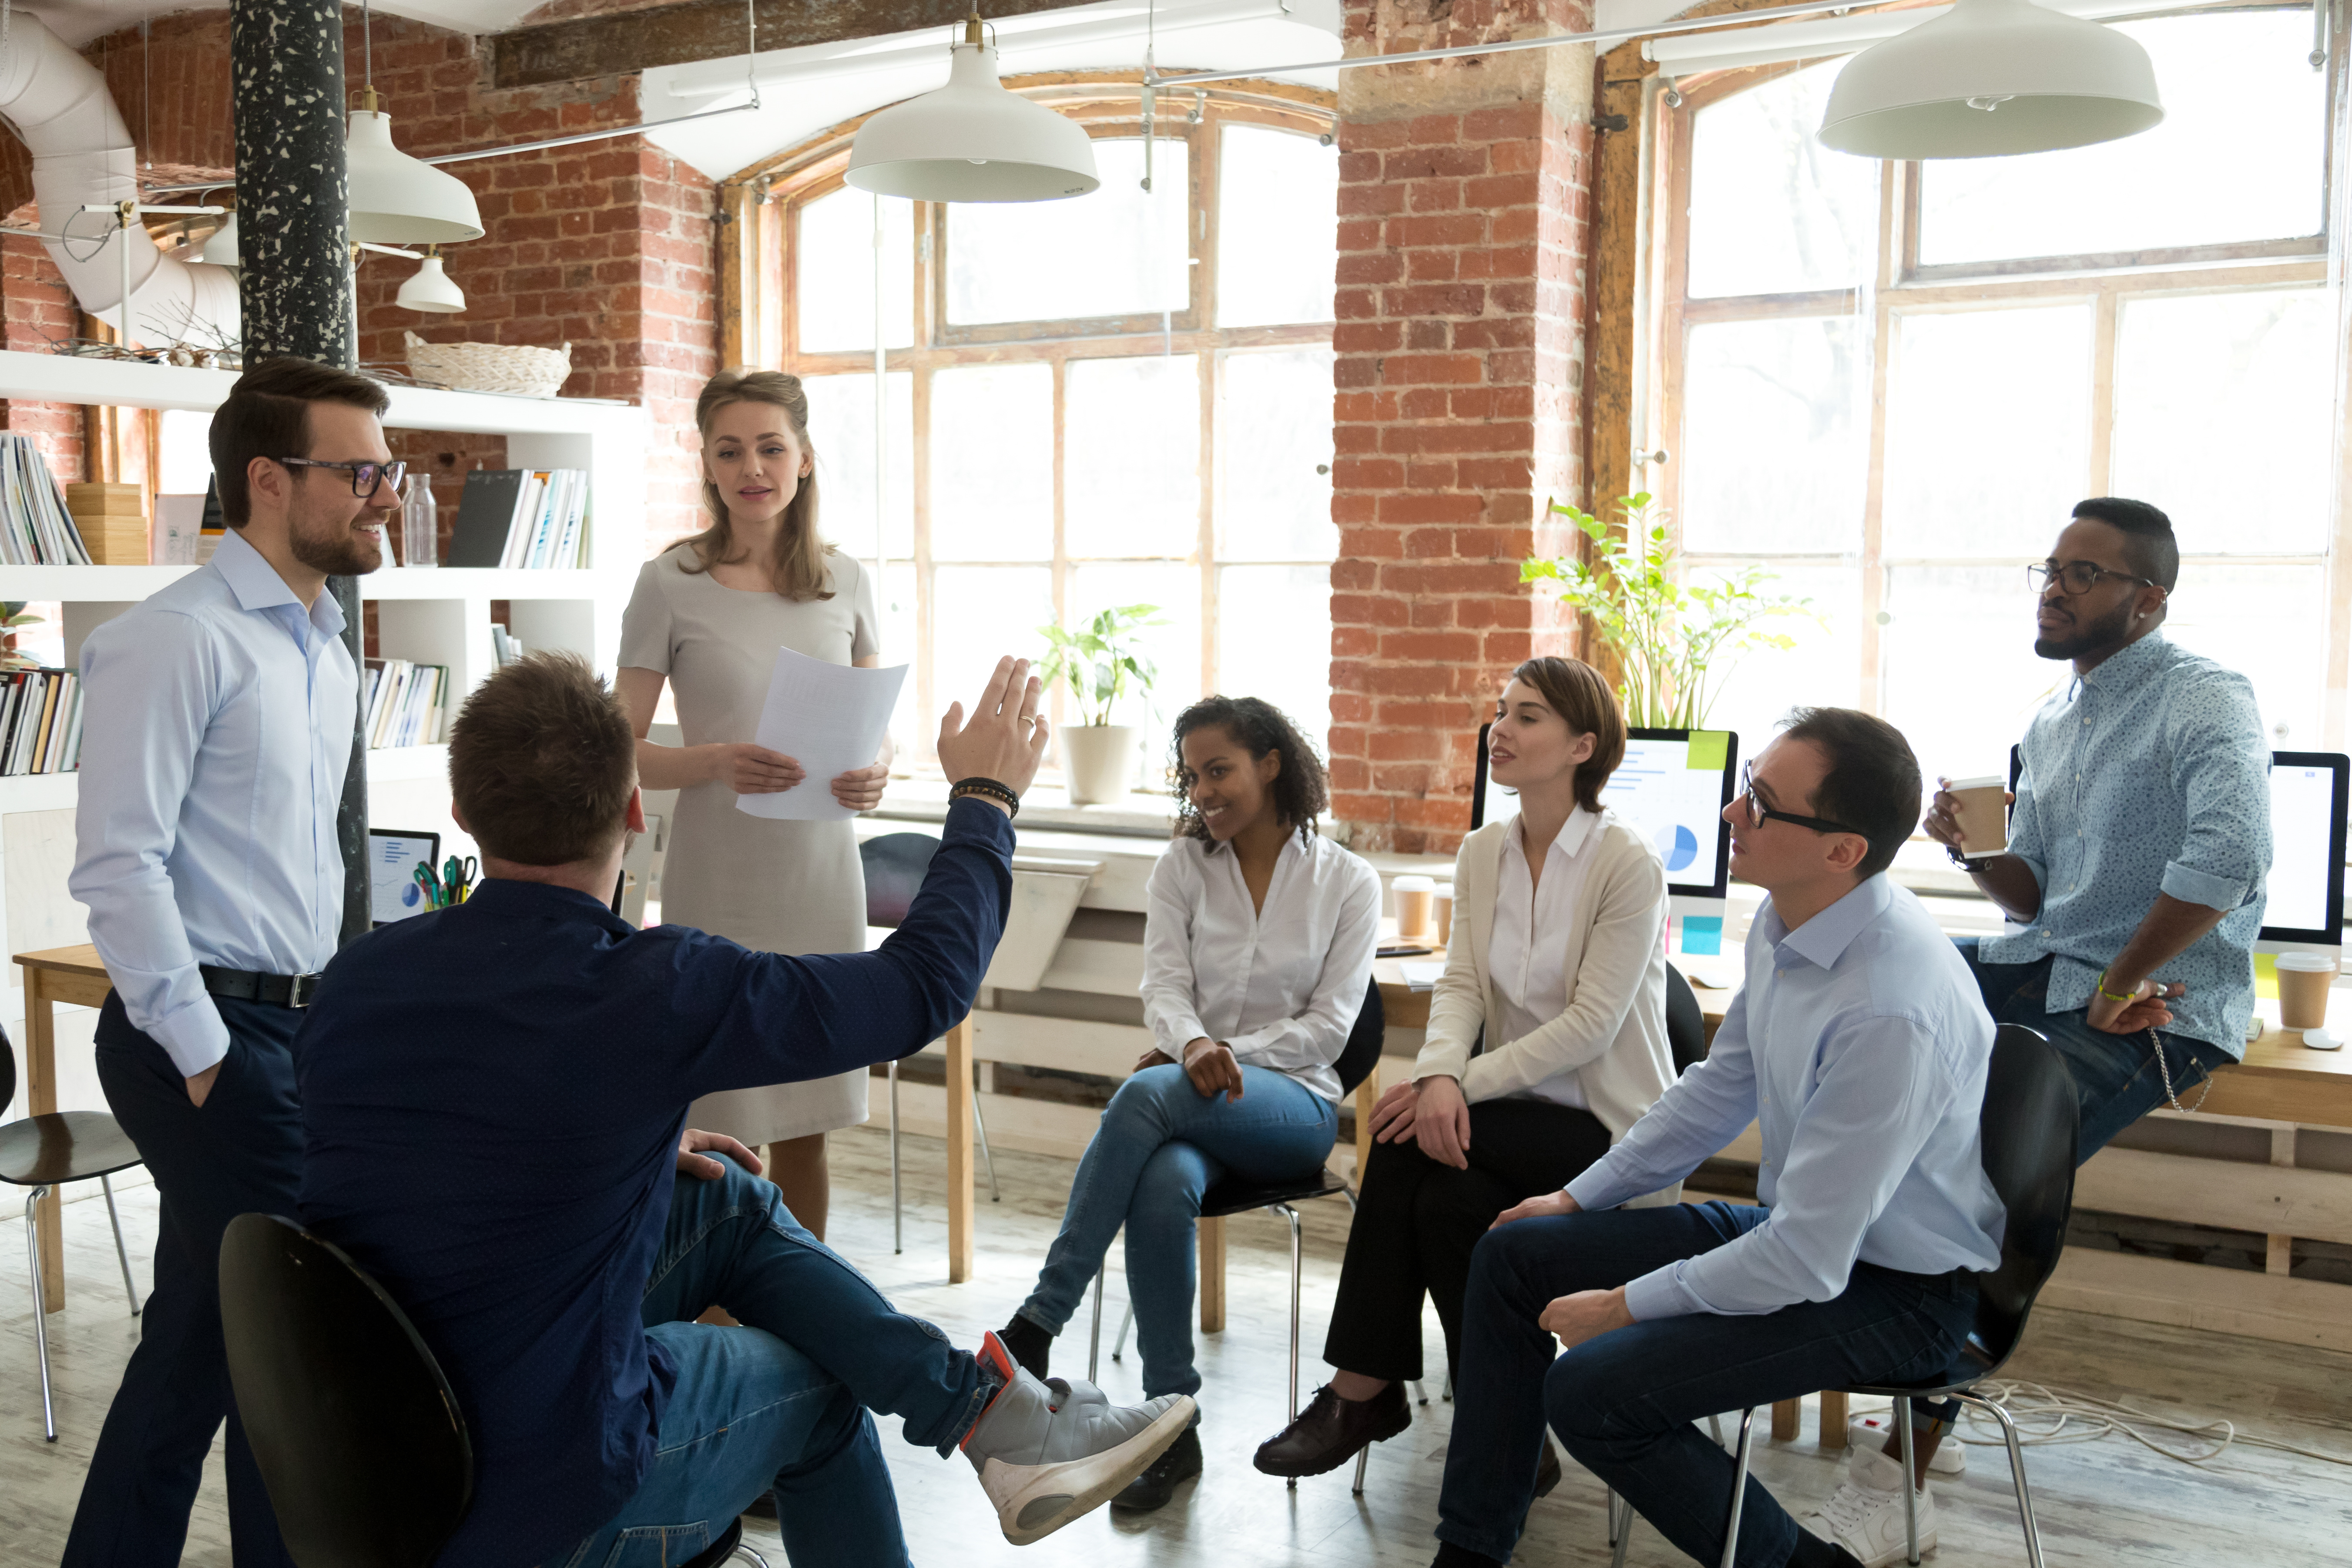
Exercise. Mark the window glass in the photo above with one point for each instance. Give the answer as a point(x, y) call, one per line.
point(1961, 726)
point(1754, 691)
point(991, 481)
point(1174, 648)
point(1131, 464)
point(1277, 228)
point(1274, 640)
point(979, 614)
point(2212, 612)
point(1121, 251)
point(2222, 402)
point(896, 610)
point(1989, 441)
point(2247, 164)
point(841, 429)
point(1773, 455)
point(1273, 456)
point(835, 280)
point(1772, 211)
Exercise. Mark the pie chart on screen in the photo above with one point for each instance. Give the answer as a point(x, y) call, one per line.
point(1677, 847)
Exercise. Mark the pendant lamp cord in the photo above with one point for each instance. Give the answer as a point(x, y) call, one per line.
point(367, 45)
point(1150, 88)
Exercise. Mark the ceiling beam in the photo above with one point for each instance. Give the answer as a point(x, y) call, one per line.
point(630, 41)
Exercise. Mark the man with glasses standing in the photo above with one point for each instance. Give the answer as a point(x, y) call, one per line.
point(1859, 1046)
point(218, 732)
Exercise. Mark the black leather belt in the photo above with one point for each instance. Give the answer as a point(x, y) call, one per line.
point(278, 990)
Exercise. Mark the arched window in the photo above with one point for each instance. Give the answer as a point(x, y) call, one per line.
point(1120, 399)
point(1890, 383)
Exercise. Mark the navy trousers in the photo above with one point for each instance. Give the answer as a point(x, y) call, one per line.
point(240, 1151)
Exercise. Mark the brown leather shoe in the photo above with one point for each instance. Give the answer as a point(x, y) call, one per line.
point(1331, 1429)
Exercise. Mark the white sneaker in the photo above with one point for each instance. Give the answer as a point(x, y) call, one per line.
point(1950, 1458)
point(1865, 1515)
point(1049, 1452)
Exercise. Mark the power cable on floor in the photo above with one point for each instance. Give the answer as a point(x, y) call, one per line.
point(2046, 1414)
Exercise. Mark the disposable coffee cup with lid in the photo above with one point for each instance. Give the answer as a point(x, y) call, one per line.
point(2303, 981)
point(1982, 814)
point(1416, 914)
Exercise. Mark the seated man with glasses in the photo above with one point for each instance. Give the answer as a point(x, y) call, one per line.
point(1859, 1044)
point(2132, 879)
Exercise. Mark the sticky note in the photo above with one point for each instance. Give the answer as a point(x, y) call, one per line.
point(1702, 935)
point(2266, 975)
point(1708, 748)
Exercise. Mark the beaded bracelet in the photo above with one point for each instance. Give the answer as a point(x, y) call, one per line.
point(988, 789)
point(2100, 986)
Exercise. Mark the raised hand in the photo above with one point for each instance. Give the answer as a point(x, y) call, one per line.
point(1005, 738)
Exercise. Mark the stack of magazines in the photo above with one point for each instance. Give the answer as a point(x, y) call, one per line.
point(404, 702)
point(40, 722)
point(35, 530)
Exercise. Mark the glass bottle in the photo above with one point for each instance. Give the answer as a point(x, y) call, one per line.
point(420, 526)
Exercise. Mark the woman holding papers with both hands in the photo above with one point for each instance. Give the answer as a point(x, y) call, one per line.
point(710, 614)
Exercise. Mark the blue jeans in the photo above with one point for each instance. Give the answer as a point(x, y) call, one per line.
point(1623, 1402)
point(1161, 1146)
point(781, 1404)
point(2116, 1080)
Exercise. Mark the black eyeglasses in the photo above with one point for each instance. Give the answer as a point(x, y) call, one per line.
point(366, 478)
point(1759, 813)
point(2076, 577)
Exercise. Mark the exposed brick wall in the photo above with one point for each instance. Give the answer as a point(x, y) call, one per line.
point(1459, 346)
point(37, 309)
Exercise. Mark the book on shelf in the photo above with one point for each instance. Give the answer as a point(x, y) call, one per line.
point(504, 648)
point(404, 702)
point(40, 722)
point(532, 518)
point(36, 529)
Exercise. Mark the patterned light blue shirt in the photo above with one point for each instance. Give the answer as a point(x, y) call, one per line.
point(2151, 775)
point(1859, 1046)
point(217, 731)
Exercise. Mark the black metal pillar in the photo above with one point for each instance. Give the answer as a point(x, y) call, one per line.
point(294, 292)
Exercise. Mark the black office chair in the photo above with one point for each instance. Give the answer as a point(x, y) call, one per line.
point(2028, 1130)
point(1685, 1022)
point(355, 1430)
point(895, 865)
point(45, 1151)
point(1357, 1060)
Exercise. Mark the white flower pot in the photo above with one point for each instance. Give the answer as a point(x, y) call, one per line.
point(1099, 762)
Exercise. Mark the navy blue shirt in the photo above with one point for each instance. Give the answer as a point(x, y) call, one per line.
point(491, 1100)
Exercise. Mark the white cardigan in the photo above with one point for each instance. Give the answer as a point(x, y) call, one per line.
point(1613, 1034)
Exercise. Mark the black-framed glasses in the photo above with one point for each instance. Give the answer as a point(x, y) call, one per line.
point(2075, 577)
point(1759, 813)
point(366, 478)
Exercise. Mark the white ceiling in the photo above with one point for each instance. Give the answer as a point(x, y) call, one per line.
point(80, 21)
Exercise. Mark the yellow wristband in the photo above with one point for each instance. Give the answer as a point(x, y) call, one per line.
point(2100, 985)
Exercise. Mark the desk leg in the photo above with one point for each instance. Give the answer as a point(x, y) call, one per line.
point(1787, 1414)
point(1213, 1276)
point(959, 1134)
point(40, 1098)
point(1832, 1418)
point(1367, 1095)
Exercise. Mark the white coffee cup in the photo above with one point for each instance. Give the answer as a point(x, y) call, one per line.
point(2303, 981)
point(1417, 916)
point(1982, 815)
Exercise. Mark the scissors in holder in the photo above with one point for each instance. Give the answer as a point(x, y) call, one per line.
point(430, 884)
point(458, 876)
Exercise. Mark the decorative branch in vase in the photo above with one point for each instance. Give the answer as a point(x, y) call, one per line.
point(1676, 638)
point(1100, 662)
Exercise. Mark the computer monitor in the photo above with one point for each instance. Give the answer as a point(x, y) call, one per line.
point(1670, 788)
point(2303, 900)
point(394, 855)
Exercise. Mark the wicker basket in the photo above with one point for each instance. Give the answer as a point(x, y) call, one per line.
point(490, 367)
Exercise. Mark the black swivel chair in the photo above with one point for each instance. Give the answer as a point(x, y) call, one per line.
point(1357, 1060)
point(45, 1151)
point(355, 1430)
point(1685, 1022)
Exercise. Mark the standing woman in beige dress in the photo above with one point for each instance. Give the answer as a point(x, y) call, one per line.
point(710, 614)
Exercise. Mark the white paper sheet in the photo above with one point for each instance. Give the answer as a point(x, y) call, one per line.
point(830, 719)
point(1422, 976)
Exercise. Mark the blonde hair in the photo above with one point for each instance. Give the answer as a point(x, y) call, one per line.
point(798, 567)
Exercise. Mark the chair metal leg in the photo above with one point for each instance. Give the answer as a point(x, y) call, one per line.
point(1363, 1458)
point(1126, 1321)
point(995, 1194)
point(1448, 1395)
point(1093, 1339)
point(1715, 1427)
point(122, 1256)
point(2016, 1476)
point(40, 1311)
point(744, 1552)
point(1899, 1418)
point(1420, 1394)
point(1292, 1215)
point(1621, 1529)
point(1739, 1485)
point(897, 1214)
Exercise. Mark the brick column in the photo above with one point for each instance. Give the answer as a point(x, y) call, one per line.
point(1460, 344)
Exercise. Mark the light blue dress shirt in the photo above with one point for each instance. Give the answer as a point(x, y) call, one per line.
point(216, 733)
point(2151, 775)
point(1859, 1044)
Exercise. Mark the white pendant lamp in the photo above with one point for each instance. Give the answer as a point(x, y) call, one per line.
point(1989, 78)
point(972, 141)
point(220, 247)
point(430, 289)
point(396, 199)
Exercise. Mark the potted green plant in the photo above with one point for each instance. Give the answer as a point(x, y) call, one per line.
point(1675, 638)
point(1100, 662)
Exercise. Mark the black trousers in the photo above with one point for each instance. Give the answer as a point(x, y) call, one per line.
point(1417, 1222)
point(240, 1152)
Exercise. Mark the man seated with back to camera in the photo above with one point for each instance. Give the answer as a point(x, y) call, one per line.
point(493, 1097)
point(1859, 1044)
point(2133, 879)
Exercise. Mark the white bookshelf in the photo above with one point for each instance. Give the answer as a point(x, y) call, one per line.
point(428, 614)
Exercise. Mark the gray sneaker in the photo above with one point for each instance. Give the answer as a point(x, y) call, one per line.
point(1050, 1452)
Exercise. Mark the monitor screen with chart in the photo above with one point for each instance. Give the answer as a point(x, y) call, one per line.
point(1670, 788)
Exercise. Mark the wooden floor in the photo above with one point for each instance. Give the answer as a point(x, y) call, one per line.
point(2104, 1504)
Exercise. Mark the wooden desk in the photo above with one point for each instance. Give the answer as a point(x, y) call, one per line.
point(58, 975)
point(2281, 1080)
